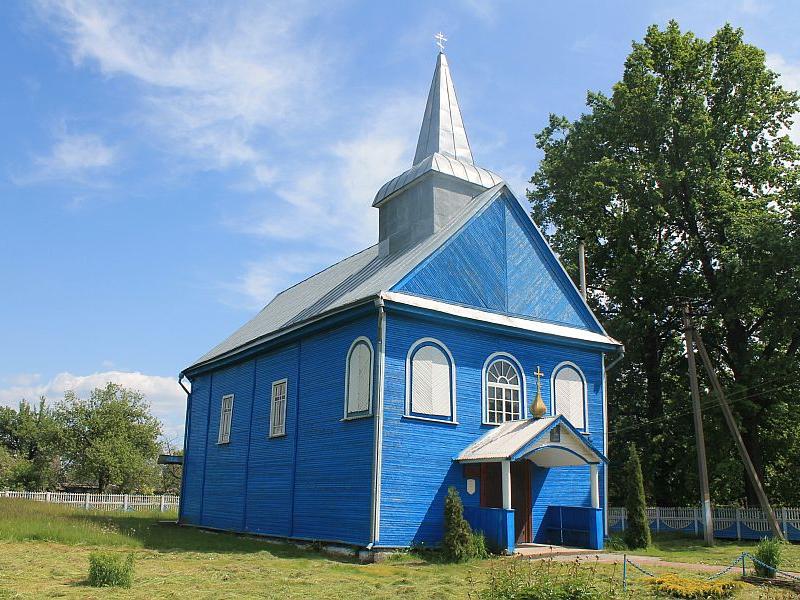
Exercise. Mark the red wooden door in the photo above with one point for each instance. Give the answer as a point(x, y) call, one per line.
point(492, 494)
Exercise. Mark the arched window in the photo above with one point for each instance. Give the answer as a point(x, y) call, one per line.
point(569, 394)
point(358, 378)
point(430, 381)
point(503, 387)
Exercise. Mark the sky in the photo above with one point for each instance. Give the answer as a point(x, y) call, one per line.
point(167, 167)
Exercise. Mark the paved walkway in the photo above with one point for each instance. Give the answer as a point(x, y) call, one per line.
point(563, 554)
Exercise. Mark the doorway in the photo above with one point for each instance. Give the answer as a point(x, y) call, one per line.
point(492, 495)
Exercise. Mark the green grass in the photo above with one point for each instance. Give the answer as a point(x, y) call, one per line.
point(45, 549)
point(682, 548)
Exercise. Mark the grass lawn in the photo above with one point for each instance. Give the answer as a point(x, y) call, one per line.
point(682, 548)
point(44, 552)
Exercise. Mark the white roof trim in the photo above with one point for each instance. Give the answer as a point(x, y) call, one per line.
point(498, 319)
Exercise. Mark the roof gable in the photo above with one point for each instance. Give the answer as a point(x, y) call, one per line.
point(499, 261)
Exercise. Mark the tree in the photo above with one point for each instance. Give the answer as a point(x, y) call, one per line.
point(111, 438)
point(684, 183)
point(32, 436)
point(457, 542)
point(637, 530)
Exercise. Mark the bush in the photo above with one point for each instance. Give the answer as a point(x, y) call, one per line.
point(768, 552)
point(637, 530)
point(675, 586)
point(479, 549)
point(109, 569)
point(458, 540)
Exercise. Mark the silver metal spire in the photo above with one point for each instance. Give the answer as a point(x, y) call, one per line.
point(442, 127)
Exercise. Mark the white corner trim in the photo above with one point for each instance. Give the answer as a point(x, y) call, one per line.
point(358, 340)
point(433, 341)
point(523, 391)
point(486, 316)
point(556, 369)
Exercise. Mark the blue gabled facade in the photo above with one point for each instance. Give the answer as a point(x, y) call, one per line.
point(417, 455)
point(500, 262)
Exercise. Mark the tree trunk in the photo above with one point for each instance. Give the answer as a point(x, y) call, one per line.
point(752, 442)
point(651, 363)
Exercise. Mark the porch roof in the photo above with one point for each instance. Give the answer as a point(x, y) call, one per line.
point(530, 439)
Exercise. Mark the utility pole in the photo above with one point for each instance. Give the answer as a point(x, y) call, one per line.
point(737, 436)
point(702, 467)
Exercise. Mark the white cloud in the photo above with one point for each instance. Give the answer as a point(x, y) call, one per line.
point(73, 156)
point(789, 77)
point(167, 399)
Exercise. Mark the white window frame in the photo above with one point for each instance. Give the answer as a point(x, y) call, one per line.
point(367, 413)
point(554, 399)
point(429, 341)
point(225, 420)
point(485, 386)
point(281, 409)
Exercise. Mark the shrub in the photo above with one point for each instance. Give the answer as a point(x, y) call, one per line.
point(479, 549)
point(637, 531)
point(768, 552)
point(110, 569)
point(458, 541)
point(675, 586)
point(616, 542)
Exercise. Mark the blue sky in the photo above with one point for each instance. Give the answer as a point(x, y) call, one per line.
point(166, 168)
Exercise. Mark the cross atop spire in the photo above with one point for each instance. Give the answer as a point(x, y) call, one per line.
point(440, 40)
point(442, 127)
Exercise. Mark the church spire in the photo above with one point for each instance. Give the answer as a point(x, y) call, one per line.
point(442, 127)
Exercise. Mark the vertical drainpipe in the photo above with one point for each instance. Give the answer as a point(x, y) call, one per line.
point(375, 521)
point(582, 266)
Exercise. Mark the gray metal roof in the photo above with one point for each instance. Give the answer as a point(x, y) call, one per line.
point(442, 128)
point(442, 164)
point(359, 277)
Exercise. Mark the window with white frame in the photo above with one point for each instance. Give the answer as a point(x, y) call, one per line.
point(569, 394)
point(503, 392)
point(225, 417)
point(430, 381)
point(358, 378)
point(277, 413)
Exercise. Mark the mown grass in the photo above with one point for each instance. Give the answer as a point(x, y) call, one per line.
point(44, 553)
point(682, 548)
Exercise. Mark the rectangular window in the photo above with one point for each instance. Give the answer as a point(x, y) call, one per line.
point(225, 417)
point(277, 413)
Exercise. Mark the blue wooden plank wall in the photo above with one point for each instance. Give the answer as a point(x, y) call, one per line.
point(315, 482)
point(500, 262)
point(417, 456)
point(194, 460)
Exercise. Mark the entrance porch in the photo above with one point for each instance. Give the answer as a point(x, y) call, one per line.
point(503, 460)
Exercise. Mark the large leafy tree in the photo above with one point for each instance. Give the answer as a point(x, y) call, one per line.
point(31, 437)
point(684, 184)
point(111, 438)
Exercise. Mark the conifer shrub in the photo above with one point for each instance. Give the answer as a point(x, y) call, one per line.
point(107, 569)
point(637, 530)
point(458, 544)
point(768, 552)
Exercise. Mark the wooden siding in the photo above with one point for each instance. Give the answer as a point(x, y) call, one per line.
point(313, 483)
point(194, 462)
point(418, 456)
point(500, 262)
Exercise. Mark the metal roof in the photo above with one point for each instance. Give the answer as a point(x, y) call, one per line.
point(442, 128)
point(514, 440)
point(358, 277)
point(442, 164)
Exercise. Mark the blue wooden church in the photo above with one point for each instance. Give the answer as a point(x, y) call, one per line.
point(454, 352)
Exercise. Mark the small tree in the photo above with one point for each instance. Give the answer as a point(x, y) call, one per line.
point(458, 545)
point(637, 532)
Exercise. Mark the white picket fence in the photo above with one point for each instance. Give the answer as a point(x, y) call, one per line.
point(124, 502)
point(734, 523)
